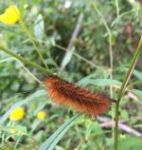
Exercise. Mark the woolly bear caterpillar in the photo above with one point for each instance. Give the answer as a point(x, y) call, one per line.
point(81, 99)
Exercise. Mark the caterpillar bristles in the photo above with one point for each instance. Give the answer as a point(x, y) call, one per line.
point(80, 99)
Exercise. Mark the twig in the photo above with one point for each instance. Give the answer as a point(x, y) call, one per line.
point(71, 43)
point(109, 123)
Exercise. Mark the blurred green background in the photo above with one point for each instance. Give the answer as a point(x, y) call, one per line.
point(86, 42)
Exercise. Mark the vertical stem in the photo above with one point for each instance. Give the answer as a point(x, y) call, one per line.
point(110, 45)
point(117, 8)
point(111, 62)
point(123, 88)
point(23, 25)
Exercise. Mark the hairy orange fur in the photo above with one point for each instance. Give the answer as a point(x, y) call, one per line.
point(82, 100)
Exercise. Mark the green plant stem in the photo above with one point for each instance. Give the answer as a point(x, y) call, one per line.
point(117, 8)
point(129, 12)
point(25, 28)
point(123, 88)
point(110, 44)
point(24, 61)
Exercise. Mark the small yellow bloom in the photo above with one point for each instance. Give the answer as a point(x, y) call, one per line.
point(11, 15)
point(41, 115)
point(17, 114)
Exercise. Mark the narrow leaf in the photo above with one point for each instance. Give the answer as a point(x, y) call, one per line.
point(101, 82)
point(137, 93)
point(138, 74)
point(52, 141)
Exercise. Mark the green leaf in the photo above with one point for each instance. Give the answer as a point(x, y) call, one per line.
point(137, 93)
point(39, 27)
point(102, 82)
point(59, 148)
point(19, 129)
point(138, 74)
point(67, 58)
point(51, 142)
point(130, 143)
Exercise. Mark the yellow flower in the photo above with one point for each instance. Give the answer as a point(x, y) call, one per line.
point(11, 15)
point(41, 115)
point(17, 114)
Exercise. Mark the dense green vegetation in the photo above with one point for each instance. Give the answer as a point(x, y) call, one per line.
point(95, 44)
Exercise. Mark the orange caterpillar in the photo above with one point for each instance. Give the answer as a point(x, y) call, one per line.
point(82, 100)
